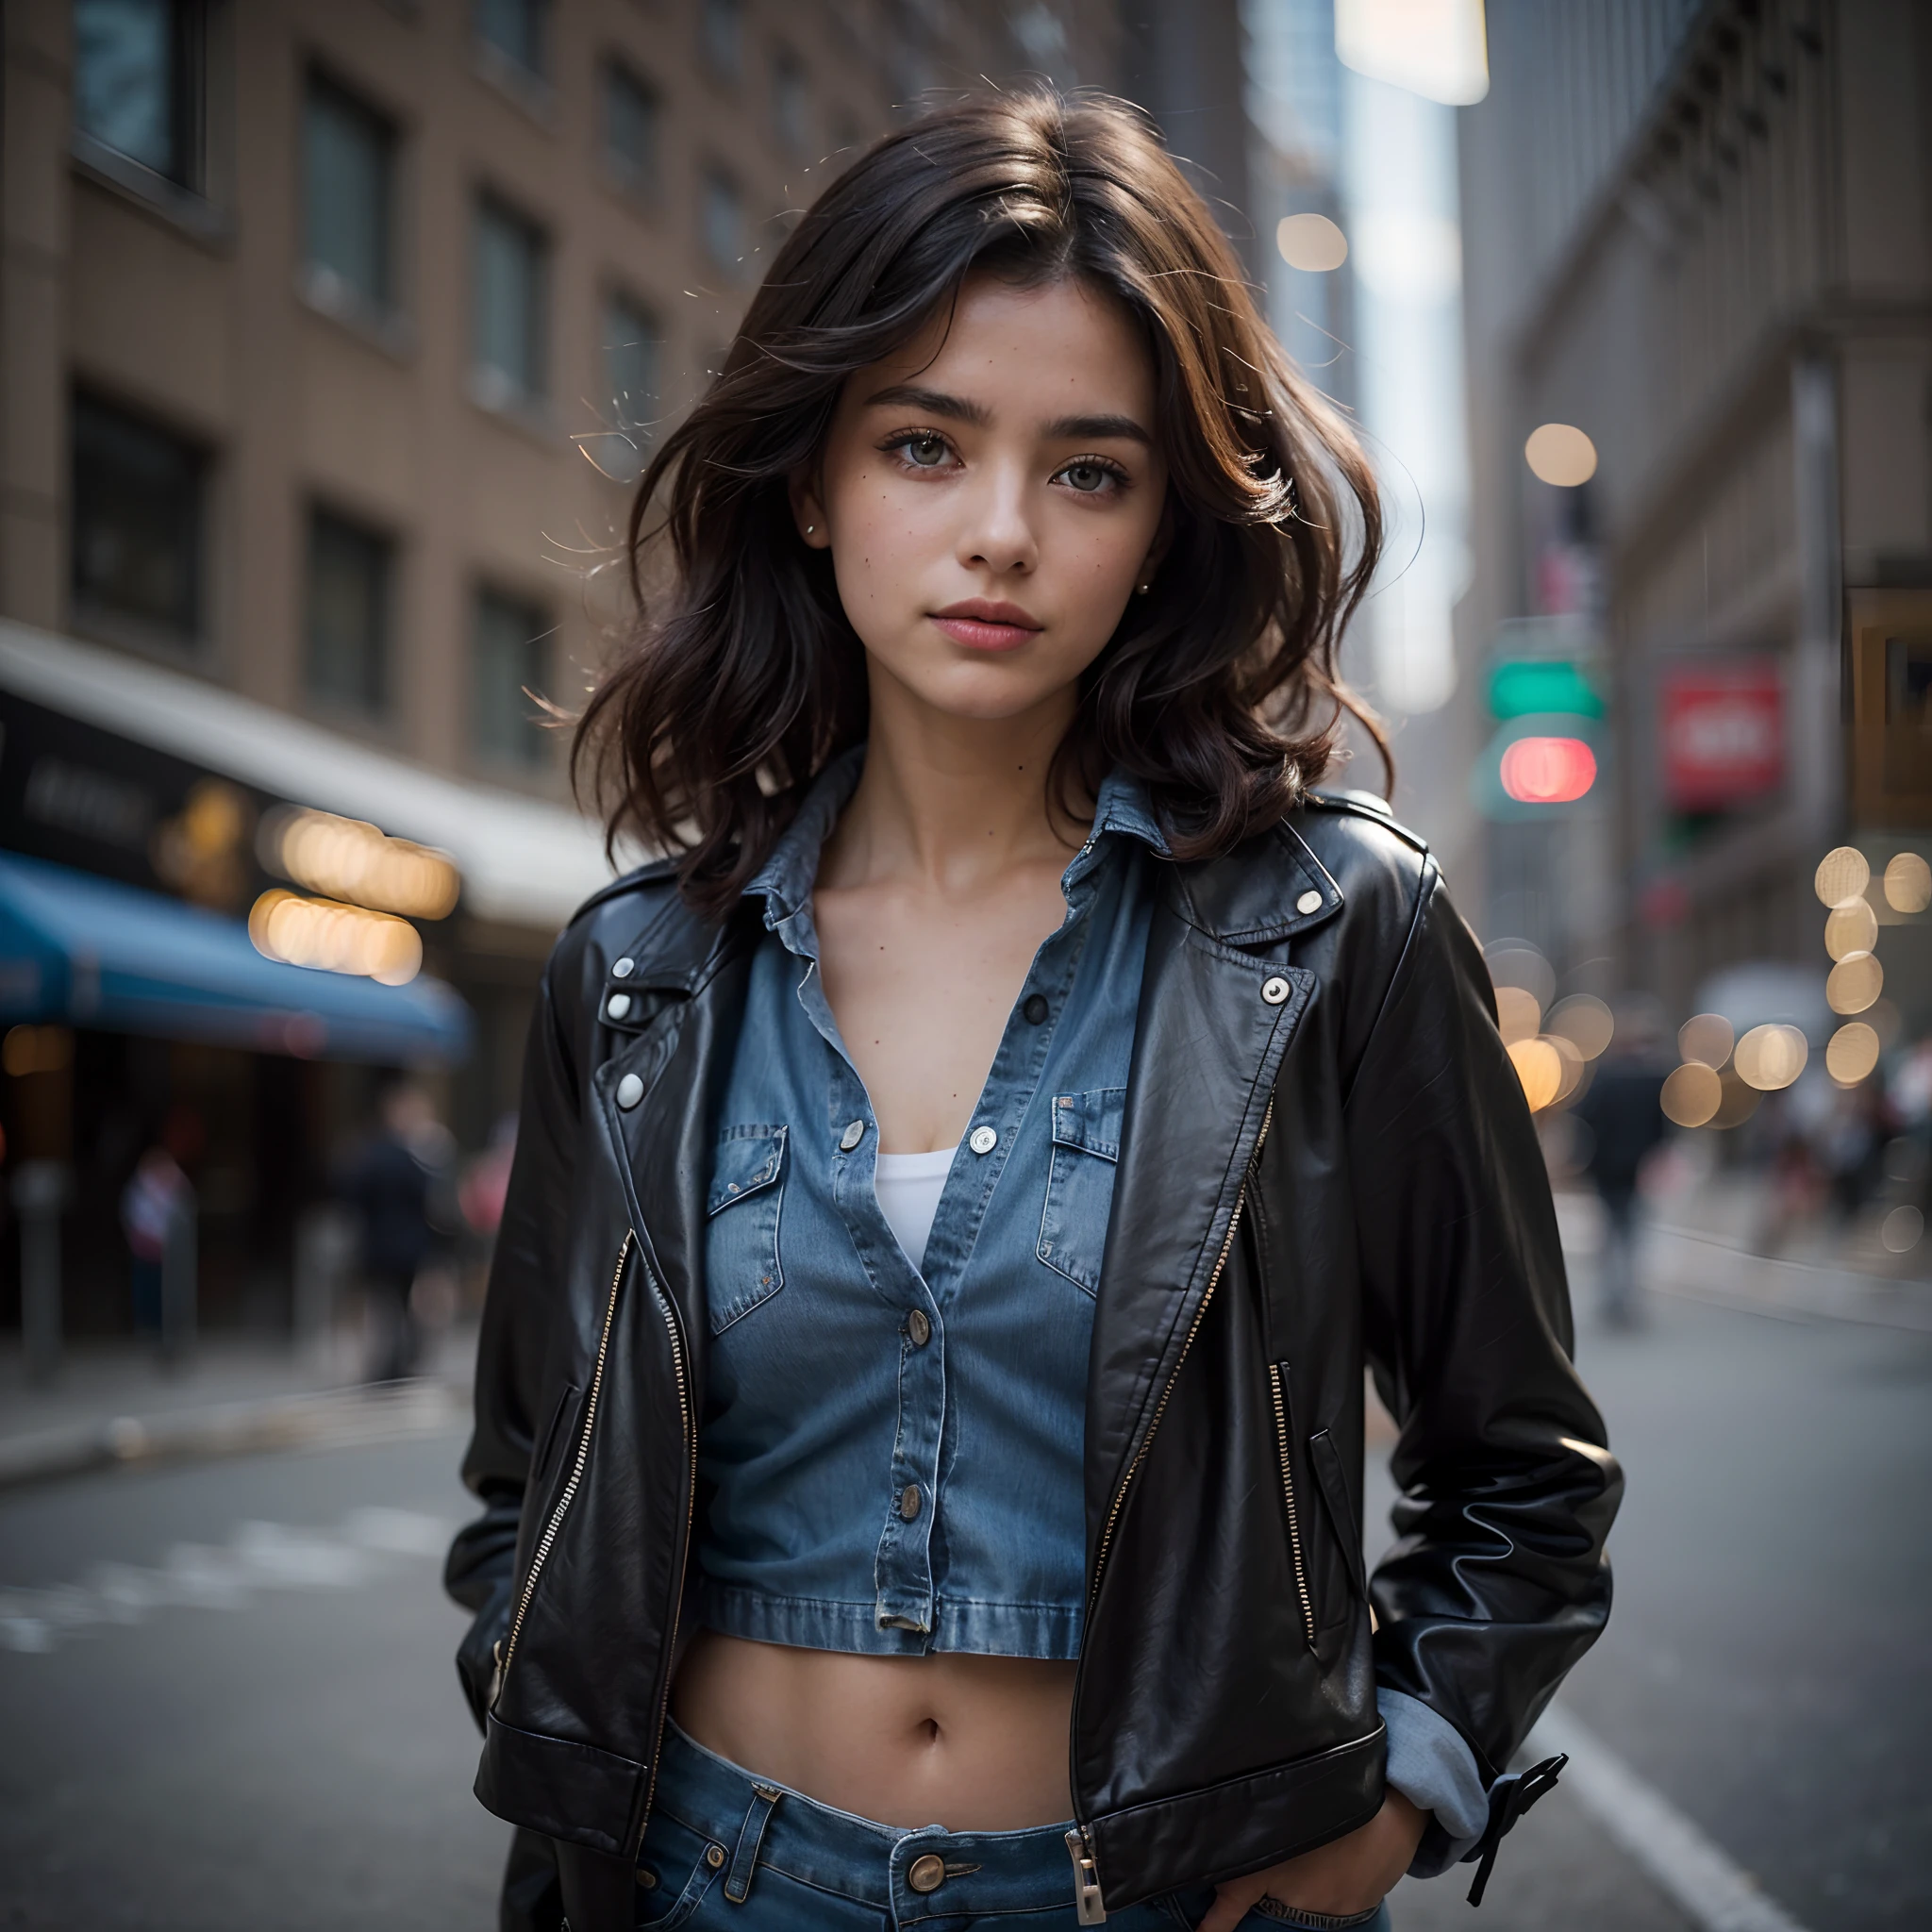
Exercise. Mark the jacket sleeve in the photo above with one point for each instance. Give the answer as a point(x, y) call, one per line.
point(1497, 1583)
point(526, 1272)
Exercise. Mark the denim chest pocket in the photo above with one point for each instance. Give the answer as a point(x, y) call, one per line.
point(1079, 1183)
point(741, 1264)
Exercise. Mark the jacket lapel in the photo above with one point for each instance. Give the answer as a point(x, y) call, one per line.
point(1208, 1047)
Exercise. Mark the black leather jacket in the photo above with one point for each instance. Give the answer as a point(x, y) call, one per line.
point(1327, 1161)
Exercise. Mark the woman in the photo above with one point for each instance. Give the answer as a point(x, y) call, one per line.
point(920, 1409)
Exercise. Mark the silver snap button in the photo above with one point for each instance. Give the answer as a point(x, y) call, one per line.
point(618, 1005)
point(1274, 989)
point(853, 1135)
point(919, 1329)
point(909, 1501)
point(1309, 902)
point(630, 1089)
point(983, 1139)
point(624, 969)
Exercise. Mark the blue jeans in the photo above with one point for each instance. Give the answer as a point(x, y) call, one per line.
point(725, 1849)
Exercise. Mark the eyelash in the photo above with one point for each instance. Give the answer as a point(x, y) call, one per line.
point(901, 439)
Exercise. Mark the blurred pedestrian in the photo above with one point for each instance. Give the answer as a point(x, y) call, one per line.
point(393, 1182)
point(157, 1194)
point(1624, 1111)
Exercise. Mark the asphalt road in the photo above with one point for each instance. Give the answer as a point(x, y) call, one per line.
point(228, 1699)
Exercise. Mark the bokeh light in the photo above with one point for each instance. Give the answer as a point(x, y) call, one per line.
point(1908, 883)
point(1854, 983)
point(334, 939)
point(1851, 927)
point(1548, 771)
point(1901, 1229)
point(1707, 1038)
point(1691, 1095)
point(1842, 875)
point(1541, 1070)
point(1518, 1014)
point(1311, 242)
point(346, 858)
point(1561, 454)
point(1771, 1056)
point(1584, 1020)
point(1852, 1052)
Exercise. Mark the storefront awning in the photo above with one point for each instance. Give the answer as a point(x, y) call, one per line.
point(92, 952)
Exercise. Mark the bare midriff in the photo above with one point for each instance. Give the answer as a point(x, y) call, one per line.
point(973, 1743)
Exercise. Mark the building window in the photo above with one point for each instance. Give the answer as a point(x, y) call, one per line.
point(138, 81)
point(633, 354)
point(512, 273)
point(515, 29)
point(350, 570)
point(630, 128)
point(790, 106)
point(721, 221)
point(722, 24)
point(511, 658)
point(136, 527)
point(349, 169)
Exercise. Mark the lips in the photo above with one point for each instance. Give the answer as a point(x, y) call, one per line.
point(980, 625)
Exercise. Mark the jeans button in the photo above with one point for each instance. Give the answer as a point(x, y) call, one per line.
point(928, 1873)
point(919, 1329)
point(909, 1501)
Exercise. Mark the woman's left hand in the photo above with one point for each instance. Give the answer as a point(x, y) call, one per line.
point(1344, 1877)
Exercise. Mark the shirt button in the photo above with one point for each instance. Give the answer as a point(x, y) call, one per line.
point(909, 1501)
point(623, 969)
point(853, 1135)
point(630, 1089)
point(1309, 902)
point(618, 1005)
point(919, 1329)
point(1035, 1009)
point(983, 1139)
point(1274, 989)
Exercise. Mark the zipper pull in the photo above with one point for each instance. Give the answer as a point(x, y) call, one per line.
point(495, 1675)
point(1086, 1899)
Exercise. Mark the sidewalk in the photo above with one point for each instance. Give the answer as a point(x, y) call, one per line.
point(115, 1403)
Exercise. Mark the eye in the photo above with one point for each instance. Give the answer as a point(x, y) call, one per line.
point(1090, 477)
point(923, 449)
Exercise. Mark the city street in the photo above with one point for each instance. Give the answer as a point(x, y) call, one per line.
point(271, 1735)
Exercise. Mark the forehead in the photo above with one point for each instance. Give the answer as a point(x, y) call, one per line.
point(1062, 348)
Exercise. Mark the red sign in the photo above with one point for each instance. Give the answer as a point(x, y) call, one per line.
point(1724, 733)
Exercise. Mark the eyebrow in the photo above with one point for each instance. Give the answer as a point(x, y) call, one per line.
point(1062, 429)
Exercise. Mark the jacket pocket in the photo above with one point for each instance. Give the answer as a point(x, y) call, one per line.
point(741, 1259)
point(1327, 1459)
point(1079, 1183)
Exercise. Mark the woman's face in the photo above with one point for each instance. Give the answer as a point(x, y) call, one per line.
point(991, 497)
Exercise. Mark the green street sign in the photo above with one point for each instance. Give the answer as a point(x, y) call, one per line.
point(1524, 687)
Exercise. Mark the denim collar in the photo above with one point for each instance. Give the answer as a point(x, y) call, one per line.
point(785, 879)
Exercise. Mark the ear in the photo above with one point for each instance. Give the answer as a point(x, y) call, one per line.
point(807, 511)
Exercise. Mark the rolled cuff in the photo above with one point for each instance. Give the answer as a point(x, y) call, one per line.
point(1436, 1771)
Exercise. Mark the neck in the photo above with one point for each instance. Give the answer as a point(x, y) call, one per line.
point(948, 804)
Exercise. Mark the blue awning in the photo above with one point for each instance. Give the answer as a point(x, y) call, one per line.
point(95, 953)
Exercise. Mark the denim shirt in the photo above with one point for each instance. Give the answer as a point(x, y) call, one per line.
point(894, 1453)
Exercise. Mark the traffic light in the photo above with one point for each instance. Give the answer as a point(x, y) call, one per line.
point(1543, 757)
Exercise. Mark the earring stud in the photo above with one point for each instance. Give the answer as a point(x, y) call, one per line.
point(809, 528)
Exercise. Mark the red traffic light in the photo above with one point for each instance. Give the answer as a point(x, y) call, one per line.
point(1548, 771)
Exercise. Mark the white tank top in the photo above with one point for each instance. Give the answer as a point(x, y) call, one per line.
point(909, 1187)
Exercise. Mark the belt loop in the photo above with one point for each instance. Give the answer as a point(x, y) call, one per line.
point(751, 1835)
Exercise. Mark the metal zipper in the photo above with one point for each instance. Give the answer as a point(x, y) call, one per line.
point(1234, 1222)
point(1091, 1906)
point(1088, 1905)
point(690, 1443)
point(508, 1650)
point(1294, 1525)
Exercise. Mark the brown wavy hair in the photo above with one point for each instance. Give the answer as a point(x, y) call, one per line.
point(743, 678)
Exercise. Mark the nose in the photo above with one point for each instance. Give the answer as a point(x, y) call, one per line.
point(996, 532)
